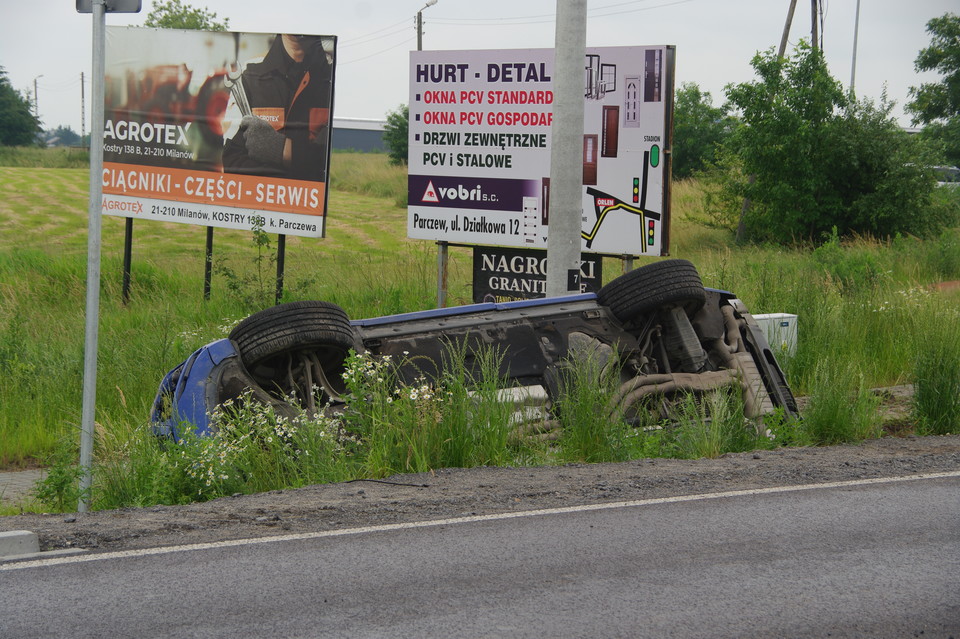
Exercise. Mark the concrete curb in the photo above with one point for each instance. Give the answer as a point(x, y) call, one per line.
point(18, 542)
point(19, 545)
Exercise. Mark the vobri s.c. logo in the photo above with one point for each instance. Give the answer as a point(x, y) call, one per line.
point(496, 194)
point(457, 193)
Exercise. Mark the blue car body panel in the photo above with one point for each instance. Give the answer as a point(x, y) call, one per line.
point(186, 389)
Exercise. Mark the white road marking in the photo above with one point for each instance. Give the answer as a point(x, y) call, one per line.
point(144, 552)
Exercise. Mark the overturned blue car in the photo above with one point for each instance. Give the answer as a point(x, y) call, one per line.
point(665, 333)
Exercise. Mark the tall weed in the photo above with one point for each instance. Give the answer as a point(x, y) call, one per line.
point(841, 408)
point(592, 425)
point(712, 424)
point(936, 378)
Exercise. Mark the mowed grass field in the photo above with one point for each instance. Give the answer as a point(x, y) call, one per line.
point(867, 307)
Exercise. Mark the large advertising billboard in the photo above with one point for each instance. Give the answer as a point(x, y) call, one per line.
point(218, 128)
point(479, 147)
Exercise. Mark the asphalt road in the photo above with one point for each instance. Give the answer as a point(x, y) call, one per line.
point(874, 559)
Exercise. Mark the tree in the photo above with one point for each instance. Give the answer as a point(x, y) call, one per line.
point(937, 105)
point(63, 136)
point(18, 125)
point(395, 134)
point(698, 129)
point(174, 14)
point(818, 159)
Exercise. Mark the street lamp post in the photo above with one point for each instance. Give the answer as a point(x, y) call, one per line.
point(430, 3)
point(442, 252)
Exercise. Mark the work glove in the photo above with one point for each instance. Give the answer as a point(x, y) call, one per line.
point(263, 143)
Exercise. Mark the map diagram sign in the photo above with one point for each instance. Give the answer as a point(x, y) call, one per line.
point(479, 148)
point(217, 128)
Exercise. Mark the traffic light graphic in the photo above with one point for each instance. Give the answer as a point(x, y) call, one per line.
point(604, 203)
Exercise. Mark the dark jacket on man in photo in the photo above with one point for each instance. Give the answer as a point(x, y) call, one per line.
point(291, 100)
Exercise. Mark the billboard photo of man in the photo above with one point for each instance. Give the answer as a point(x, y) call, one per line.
point(283, 103)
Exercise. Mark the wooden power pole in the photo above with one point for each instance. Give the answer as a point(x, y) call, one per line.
point(741, 226)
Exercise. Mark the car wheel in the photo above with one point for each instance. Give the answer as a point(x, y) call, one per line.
point(653, 287)
point(296, 347)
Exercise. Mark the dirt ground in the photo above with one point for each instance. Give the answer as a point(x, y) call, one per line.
point(464, 492)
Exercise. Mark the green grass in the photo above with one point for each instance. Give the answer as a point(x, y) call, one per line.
point(867, 317)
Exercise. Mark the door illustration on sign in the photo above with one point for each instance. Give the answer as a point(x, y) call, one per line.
point(631, 101)
point(652, 76)
point(611, 131)
point(590, 159)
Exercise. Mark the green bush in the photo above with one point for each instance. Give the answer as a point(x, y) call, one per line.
point(809, 158)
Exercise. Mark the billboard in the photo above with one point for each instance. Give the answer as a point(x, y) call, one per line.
point(510, 274)
point(218, 128)
point(479, 147)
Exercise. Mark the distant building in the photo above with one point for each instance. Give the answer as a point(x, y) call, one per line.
point(358, 134)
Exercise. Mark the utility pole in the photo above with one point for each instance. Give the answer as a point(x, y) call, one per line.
point(853, 64)
point(36, 100)
point(443, 249)
point(741, 225)
point(814, 40)
point(430, 3)
point(786, 29)
point(566, 150)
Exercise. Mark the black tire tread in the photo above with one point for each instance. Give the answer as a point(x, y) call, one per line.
point(653, 286)
point(290, 327)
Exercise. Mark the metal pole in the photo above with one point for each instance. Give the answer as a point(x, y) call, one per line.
point(208, 264)
point(127, 258)
point(88, 411)
point(281, 258)
point(566, 161)
point(442, 260)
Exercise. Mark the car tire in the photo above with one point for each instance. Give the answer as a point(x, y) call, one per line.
point(653, 287)
point(266, 339)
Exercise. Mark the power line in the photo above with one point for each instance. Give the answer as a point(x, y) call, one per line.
point(399, 44)
point(373, 35)
point(596, 12)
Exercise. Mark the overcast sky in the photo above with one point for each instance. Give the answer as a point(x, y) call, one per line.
point(48, 42)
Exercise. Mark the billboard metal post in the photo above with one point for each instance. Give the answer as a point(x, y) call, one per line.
point(281, 259)
point(208, 264)
point(127, 259)
point(566, 167)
